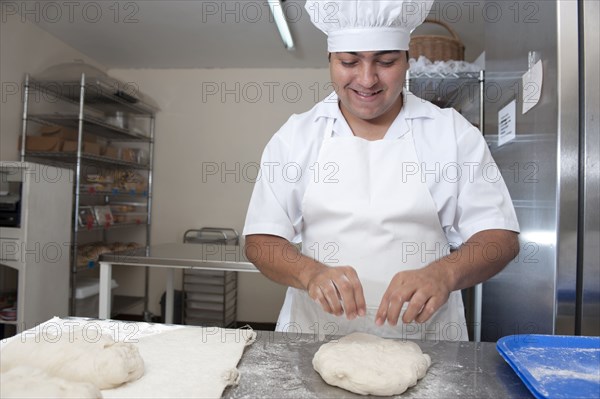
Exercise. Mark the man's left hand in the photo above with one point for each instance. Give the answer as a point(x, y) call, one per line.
point(425, 290)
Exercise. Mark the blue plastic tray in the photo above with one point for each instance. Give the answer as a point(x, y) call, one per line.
point(554, 366)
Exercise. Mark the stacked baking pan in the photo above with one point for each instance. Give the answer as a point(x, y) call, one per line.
point(210, 296)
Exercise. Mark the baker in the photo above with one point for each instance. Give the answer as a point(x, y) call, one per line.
point(397, 203)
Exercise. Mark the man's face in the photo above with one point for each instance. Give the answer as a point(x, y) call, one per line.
point(369, 84)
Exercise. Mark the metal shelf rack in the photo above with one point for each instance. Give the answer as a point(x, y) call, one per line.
point(455, 90)
point(88, 97)
point(452, 90)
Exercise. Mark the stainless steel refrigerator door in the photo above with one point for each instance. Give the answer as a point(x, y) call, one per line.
point(590, 217)
point(536, 292)
point(568, 165)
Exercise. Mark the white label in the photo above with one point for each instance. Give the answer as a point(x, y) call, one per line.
point(506, 123)
point(532, 86)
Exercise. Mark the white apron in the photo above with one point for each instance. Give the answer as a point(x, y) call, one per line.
point(375, 213)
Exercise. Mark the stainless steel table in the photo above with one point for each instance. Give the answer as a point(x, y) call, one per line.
point(171, 256)
point(279, 365)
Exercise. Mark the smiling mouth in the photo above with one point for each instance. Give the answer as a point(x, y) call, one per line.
point(367, 94)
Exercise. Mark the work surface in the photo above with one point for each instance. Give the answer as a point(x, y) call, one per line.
point(279, 365)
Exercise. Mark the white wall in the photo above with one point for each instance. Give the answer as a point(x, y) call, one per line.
point(221, 119)
point(24, 48)
point(210, 118)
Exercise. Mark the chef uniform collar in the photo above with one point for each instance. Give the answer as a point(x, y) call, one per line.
point(361, 25)
point(413, 108)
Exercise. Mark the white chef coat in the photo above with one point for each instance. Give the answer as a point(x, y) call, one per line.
point(454, 161)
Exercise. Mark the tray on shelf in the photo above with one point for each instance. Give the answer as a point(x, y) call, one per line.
point(114, 192)
point(445, 90)
point(112, 226)
point(70, 158)
point(92, 125)
point(98, 94)
point(437, 75)
point(553, 366)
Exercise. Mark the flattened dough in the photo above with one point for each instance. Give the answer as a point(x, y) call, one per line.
point(370, 365)
point(27, 382)
point(79, 357)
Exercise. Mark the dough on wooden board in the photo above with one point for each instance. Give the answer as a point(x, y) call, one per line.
point(94, 359)
point(29, 382)
point(370, 365)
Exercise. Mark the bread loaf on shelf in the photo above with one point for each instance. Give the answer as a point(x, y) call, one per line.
point(91, 252)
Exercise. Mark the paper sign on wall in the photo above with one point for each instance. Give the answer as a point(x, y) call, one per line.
point(507, 123)
point(532, 86)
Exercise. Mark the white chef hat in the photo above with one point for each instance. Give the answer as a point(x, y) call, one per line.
point(367, 25)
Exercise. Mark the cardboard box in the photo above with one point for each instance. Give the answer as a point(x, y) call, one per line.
point(42, 144)
point(111, 152)
point(65, 134)
point(87, 148)
point(129, 154)
point(91, 148)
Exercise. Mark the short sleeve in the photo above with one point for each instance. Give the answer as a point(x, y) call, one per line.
point(268, 209)
point(285, 171)
point(483, 200)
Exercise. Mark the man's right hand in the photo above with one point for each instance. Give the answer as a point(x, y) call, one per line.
point(338, 290)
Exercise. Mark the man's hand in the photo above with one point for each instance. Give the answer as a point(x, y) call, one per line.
point(425, 290)
point(338, 290)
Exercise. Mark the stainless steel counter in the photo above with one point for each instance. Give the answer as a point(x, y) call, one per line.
point(184, 256)
point(279, 365)
point(171, 256)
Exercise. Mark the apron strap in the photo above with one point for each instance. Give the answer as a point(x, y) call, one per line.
point(329, 129)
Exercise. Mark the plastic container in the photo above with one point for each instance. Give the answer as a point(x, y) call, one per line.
point(87, 296)
point(554, 366)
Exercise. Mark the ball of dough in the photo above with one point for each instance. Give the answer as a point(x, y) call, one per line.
point(370, 365)
point(79, 357)
point(29, 382)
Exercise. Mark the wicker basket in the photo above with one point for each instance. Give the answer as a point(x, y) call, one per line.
point(437, 48)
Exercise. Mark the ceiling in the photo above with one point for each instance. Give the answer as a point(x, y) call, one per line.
point(193, 33)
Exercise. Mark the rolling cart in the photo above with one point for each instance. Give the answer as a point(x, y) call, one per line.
point(210, 296)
